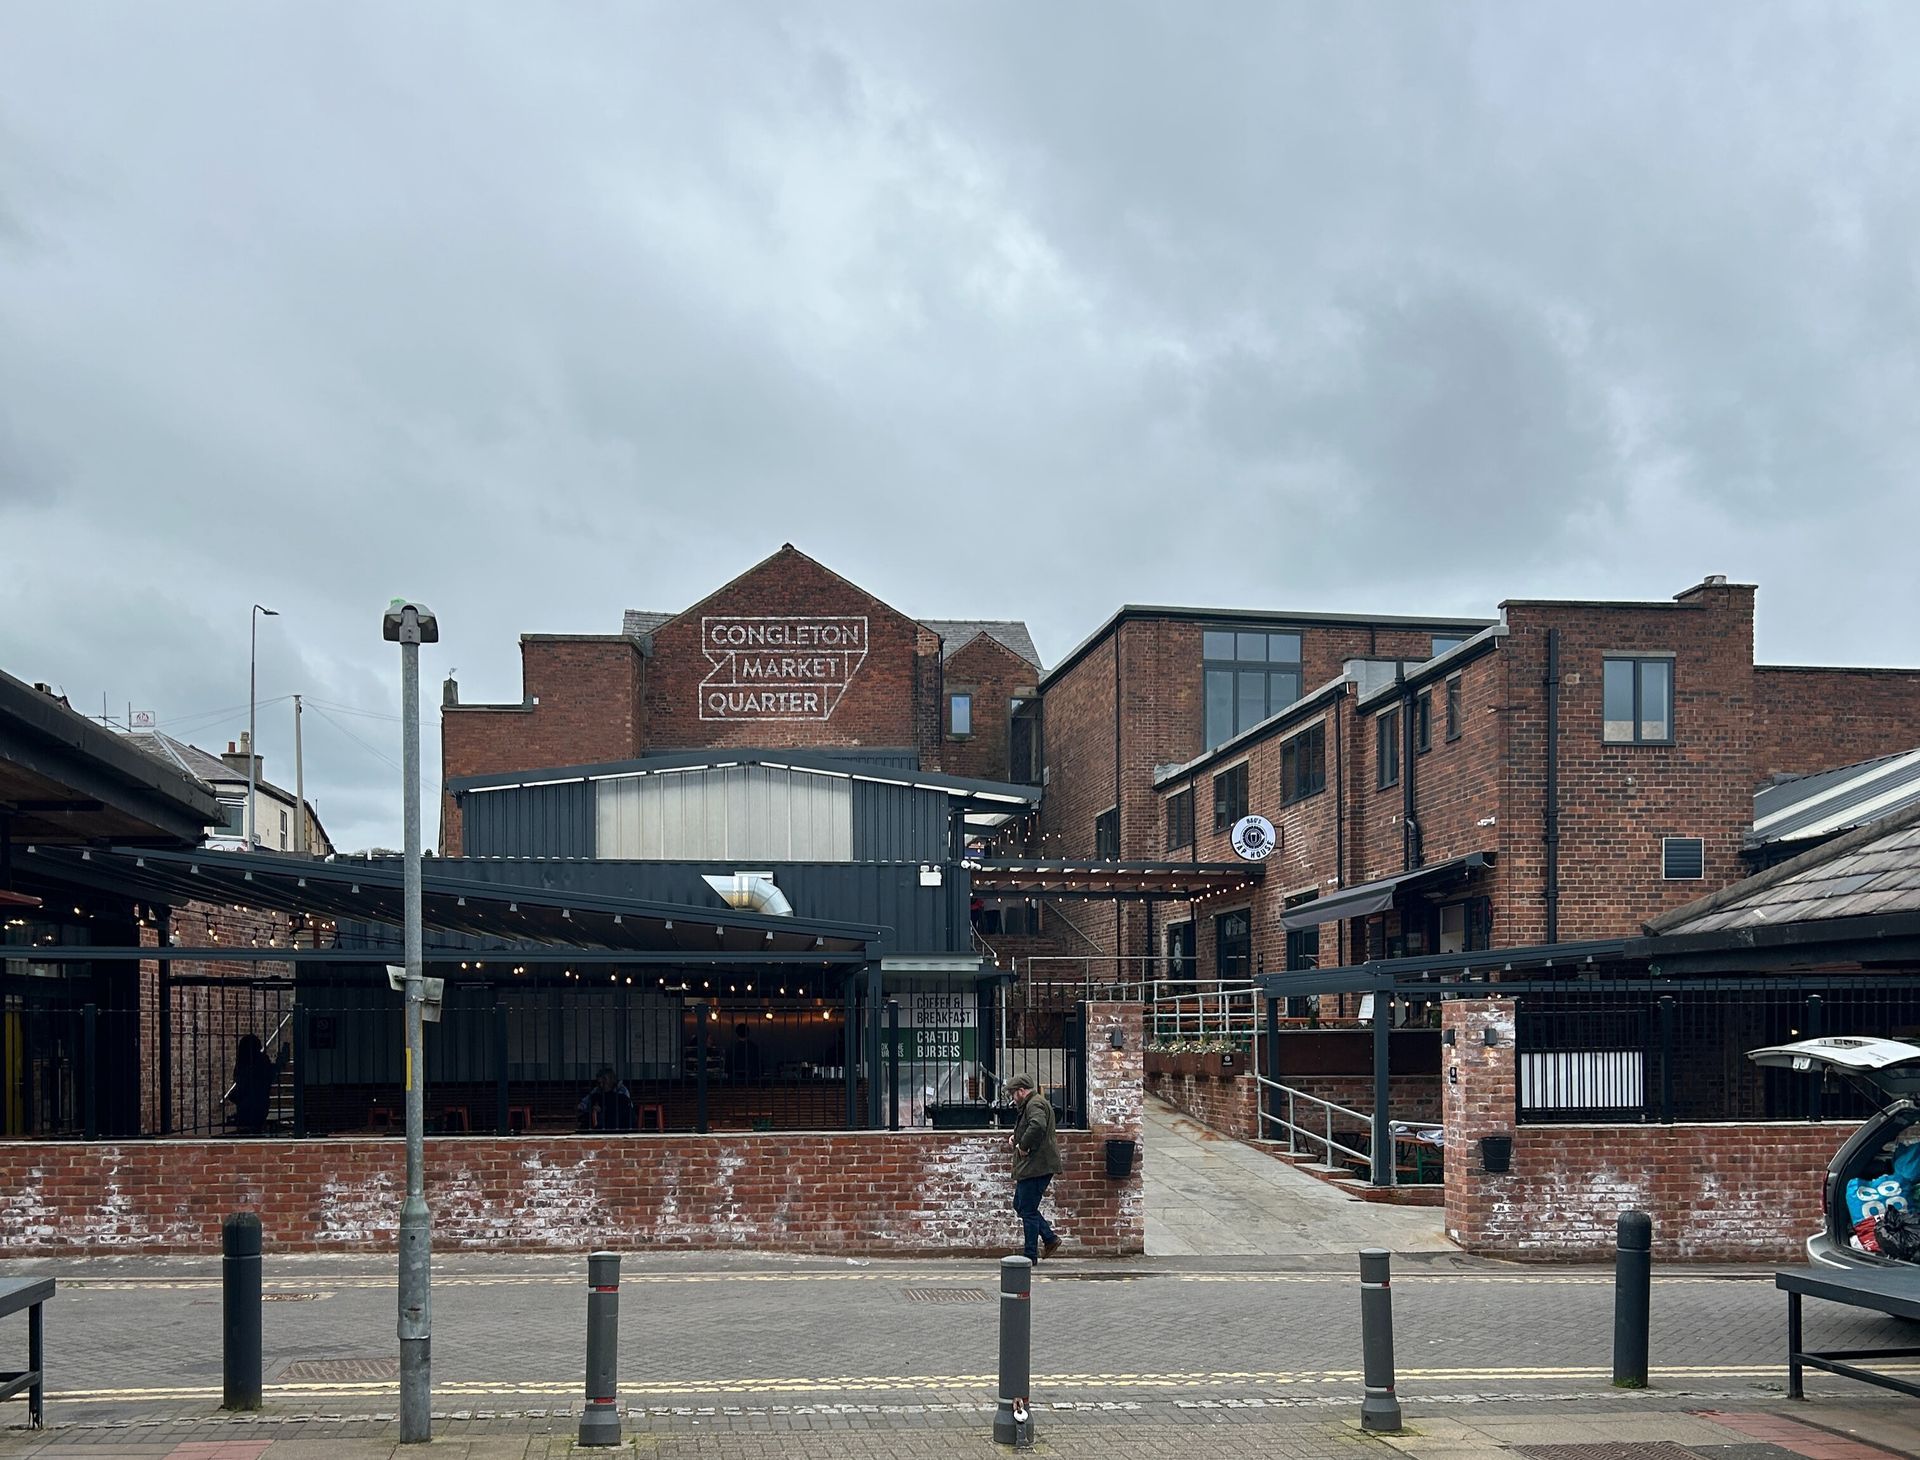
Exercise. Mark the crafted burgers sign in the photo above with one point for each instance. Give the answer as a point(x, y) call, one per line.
point(778, 668)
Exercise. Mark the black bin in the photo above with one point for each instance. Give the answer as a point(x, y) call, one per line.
point(1120, 1159)
point(1496, 1155)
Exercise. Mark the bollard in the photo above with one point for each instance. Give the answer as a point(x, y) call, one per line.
point(1632, 1299)
point(600, 1419)
point(1380, 1410)
point(1013, 1416)
point(240, 1311)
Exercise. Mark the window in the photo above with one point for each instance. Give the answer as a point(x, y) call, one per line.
point(1180, 820)
point(1423, 723)
point(1386, 743)
point(233, 817)
point(283, 831)
point(1023, 741)
point(1303, 765)
point(1303, 944)
point(960, 714)
point(1683, 858)
point(1637, 701)
point(1106, 835)
point(1453, 708)
point(1249, 674)
point(1229, 797)
point(1233, 945)
point(1466, 927)
point(1180, 950)
point(1443, 642)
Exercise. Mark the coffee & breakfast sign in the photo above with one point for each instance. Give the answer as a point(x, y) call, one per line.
point(778, 668)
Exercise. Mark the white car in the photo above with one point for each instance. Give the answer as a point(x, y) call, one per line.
point(1888, 1072)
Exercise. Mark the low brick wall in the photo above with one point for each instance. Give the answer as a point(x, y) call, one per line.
point(1226, 1103)
point(878, 1193)
point(1747, 1192)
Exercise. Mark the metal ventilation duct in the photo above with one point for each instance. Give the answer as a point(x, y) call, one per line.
point(751, 892)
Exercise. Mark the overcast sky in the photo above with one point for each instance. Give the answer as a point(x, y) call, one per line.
point(540, 312)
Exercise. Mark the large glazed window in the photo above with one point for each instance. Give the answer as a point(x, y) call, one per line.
point(1250, 673)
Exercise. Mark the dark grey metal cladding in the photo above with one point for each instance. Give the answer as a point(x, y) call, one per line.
point(889, 896)
point(899, 823)
point(530, 821)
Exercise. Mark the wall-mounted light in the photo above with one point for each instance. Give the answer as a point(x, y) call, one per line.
point(1117, 1038)
point(1446, 1038)
point(1490, 1037)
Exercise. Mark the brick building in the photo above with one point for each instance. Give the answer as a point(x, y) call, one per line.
point(1560, 774)
point(789, 655)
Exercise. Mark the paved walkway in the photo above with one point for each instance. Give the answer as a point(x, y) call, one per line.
point(1208, 1195)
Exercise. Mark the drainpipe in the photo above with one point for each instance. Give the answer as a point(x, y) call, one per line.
point(1552, 829)
point(1409, 825)
point(1119, 813)
point(1339, 822)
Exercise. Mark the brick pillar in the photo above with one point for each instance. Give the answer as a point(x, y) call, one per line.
point(1478, 1098)
point(1115, 1076)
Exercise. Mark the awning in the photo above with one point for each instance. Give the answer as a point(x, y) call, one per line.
point(371, 892)
point(1373, 897)
point(1109, 881)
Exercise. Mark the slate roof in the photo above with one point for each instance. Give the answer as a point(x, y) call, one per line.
point(189, 758)
point(1836, 800)
point(1872, 870)
point(955, 634)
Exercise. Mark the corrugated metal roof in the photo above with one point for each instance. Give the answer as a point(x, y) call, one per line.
point(1872, 870)
point(1836, 800)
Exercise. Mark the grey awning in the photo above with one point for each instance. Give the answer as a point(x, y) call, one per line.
point(1373, 897)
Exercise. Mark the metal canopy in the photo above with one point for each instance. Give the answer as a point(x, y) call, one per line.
point(371, 892)
point(65, 779)
point(1886, 938)
point(1112, 880)
point(1418, 974)
point(1372, 897)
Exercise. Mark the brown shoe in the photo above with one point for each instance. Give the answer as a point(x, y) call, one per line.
point(1047, 1249)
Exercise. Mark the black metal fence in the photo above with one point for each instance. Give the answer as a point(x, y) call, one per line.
point(1635, 1053)
point(324, 1056)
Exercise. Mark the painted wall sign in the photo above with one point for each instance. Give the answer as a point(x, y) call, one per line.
point(778, 668)
point(1253, 838)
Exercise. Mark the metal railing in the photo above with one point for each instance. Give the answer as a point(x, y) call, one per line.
point(1227, 1010)
point(1093, 976)
point(1295, 1132)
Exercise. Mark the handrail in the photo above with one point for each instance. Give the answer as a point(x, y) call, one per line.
point(1293, 1128)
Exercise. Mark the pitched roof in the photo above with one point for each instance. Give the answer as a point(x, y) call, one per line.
point(956, 633)
point(190, 758)
point(1872, 870)
point(637, 623)
point(1836, 800)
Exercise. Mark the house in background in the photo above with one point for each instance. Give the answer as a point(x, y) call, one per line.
point(281, 822)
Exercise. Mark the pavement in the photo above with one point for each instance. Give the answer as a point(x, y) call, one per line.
point(1209, 1195)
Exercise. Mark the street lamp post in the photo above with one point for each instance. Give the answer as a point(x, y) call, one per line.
point(410, 625)
point(253, 676)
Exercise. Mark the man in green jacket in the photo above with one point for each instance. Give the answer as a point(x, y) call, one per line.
point(1036, 1161)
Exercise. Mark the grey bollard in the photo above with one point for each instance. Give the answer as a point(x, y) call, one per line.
point(1380, 1410)
point(1013, 1416)
point(600, 1418)
point(1632, 1299)
point(240, 1311)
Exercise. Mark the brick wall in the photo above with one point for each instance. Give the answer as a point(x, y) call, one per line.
point(1808, 720)
point(583, 703)
point(854, 1192)
point(1715, 1192)
point(1227, 1104)
point(993, 674)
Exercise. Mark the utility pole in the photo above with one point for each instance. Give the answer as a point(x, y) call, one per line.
point(410, 625)
point(299, 786)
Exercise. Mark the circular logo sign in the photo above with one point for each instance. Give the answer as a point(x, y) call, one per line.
point(1253, 838)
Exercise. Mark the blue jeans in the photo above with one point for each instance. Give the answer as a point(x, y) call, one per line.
point(1026, 1201)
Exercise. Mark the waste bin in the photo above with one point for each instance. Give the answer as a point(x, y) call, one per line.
point(1120, 1159)
point(1496, 1155)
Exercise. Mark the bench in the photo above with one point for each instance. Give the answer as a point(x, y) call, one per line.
point(1890, 1291)
point(27, 1293)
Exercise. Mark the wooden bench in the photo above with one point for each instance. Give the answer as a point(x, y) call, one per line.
point(28, 1293)
point(1891, 1291)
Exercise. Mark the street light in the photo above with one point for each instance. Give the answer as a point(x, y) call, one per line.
point(253, 675)
point(410, 625)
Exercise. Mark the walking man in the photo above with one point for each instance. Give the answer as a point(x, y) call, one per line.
point(1036, 1161)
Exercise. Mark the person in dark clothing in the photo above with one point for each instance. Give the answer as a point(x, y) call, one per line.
point(254, 1076)
point(1036, 1161)
point(608, 1105)
point(743, 1056)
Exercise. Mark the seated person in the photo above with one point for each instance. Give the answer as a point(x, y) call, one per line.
point(608, 1105)
point(743, 1057)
